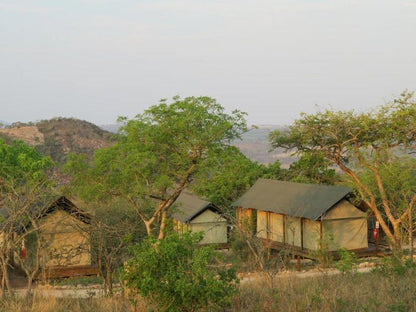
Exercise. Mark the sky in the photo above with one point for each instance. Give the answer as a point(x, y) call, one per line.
point(100, 59)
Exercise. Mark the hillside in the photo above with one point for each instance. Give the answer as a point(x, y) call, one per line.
point(59, 137)
point(255, 145)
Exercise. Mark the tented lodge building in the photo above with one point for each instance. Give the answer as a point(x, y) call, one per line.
point(302, 216)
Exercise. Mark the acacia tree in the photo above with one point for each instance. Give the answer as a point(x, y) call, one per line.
point(25, 188)
point(361, 143)
point(156, 156)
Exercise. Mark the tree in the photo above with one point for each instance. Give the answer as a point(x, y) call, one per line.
point(113, 230)
point(226, 177)
point(178, 275)
point(311, 168)
point(25, 188)
point(361, 143)
point(156, 156)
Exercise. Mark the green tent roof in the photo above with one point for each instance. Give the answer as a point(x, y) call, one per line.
point(309, 201)
point(187, 206)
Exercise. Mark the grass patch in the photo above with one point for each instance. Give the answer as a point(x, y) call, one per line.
point(354, 292)
point(51, 304)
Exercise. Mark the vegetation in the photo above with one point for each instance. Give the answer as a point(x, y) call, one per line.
point(157, 155)
point(187, 143)
point(175, 275)
point(114, 228)
point(25, 188)
point(353, 292)
point(69, 135)
point(364, 145)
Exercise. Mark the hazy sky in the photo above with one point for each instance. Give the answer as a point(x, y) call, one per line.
point(99, 59)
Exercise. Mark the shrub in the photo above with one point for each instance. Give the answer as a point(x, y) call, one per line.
point(176, 275)
point(347, 262)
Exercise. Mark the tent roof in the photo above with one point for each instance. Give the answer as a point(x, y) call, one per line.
point(292, 199)
point(57, 202)
point(63, 203)
point(188, 206)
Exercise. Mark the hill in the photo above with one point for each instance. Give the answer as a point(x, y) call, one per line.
point(59, 137)
point(255, 145)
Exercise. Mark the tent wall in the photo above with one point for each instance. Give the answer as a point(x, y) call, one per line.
point(213, 225)
point(311, 234)
point(262, 224)
point(270, 226)
point(276, 227)
point(293, 231)
point(344, 210)
point(64, 239)
point(245, 219)
point(346, 226)
point(348, 234)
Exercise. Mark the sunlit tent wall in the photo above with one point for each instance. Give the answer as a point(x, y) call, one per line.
point(303, 216)
point(65, 240)
point(191, 213)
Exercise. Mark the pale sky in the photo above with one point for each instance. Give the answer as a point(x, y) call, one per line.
point(100, 59)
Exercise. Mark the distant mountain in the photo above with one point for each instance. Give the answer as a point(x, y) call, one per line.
point(255, 145)
point(59, 137)
point(3, 123)
point(110, 127)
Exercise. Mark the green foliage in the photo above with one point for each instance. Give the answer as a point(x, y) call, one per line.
point(311, 168)
point(347, 262)
point(370, 149)
point(21, 163)
point(178, 276)
point(324, 254)
point(395, 264)
point(226, 177)
point(157, 155)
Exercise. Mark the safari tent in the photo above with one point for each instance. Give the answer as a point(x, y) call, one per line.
point(63, 232)
point(302, 216)
point(191, 213)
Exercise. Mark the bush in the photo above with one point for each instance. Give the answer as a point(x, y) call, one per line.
point(347, 262)
point(176, 275)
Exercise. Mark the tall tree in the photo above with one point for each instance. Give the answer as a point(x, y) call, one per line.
point(157, 154)
point(361, 143)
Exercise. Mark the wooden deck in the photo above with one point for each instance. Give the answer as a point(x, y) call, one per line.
point(69, 271)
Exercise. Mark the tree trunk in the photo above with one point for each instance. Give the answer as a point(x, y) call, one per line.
point(162, 225)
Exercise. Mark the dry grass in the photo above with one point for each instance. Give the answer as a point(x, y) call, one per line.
point(350, 292)
point(376, 291)
point(51, 304)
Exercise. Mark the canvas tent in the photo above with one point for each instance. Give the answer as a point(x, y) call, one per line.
point(63, 232)
point(191, 213)
point(303, 216)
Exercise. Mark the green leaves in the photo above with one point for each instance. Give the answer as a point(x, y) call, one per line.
point(179, 276)
point(370, 149)
point(157, 154)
